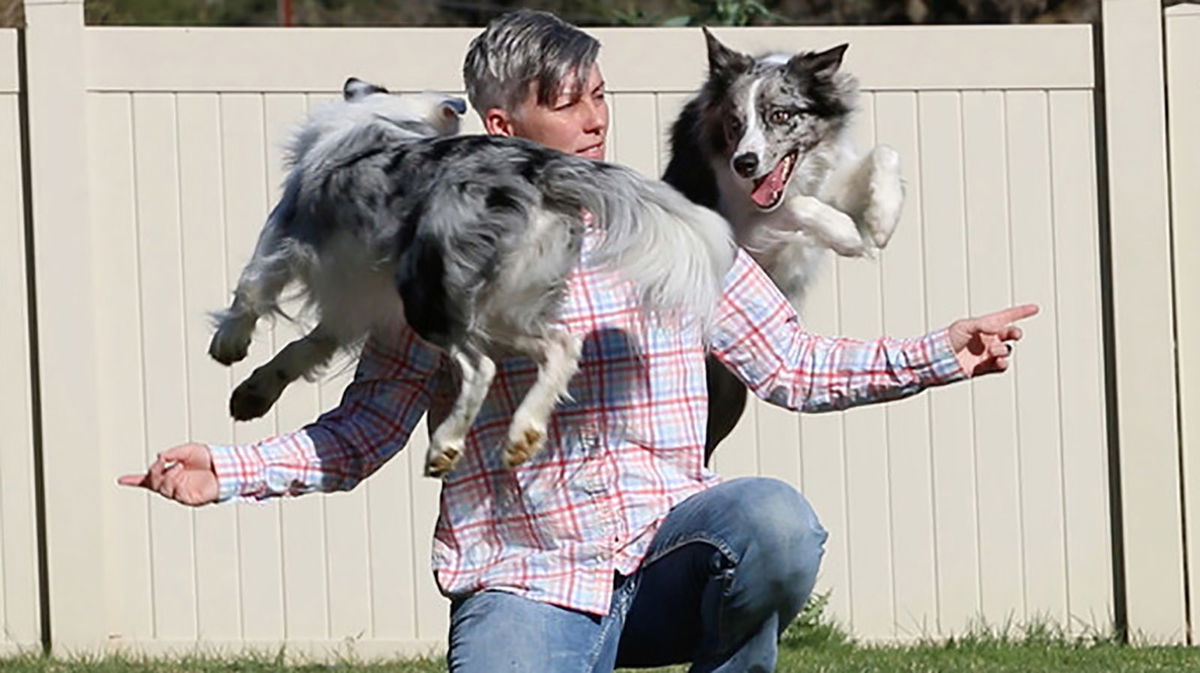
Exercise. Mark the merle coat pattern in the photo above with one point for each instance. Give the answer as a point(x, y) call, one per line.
point(469, 240)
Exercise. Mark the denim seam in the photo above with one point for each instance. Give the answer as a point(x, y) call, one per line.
point(698, 537)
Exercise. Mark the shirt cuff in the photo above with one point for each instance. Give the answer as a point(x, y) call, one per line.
point(239, 471)
point(934, 359)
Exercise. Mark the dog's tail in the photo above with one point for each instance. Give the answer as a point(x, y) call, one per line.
point(675, 251)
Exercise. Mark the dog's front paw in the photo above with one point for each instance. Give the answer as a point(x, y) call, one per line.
point(832, 227)
point(844, 238)
point(231, 341)
point(850, 248)
point(525, 439)
point(441, 458)
point(886, 198)
point(257, 394)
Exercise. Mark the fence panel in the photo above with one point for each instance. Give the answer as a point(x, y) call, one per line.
point(983, 501)
point(1142, 320)
point(20, 626)
point(1183, 107)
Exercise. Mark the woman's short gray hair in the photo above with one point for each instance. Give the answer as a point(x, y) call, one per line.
point(525, 48)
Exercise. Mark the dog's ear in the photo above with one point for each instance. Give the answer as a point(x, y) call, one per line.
point(447, 115)
point(820, 65)
point(355, 88)
point(455, 105)
point(722, 58)
point(451, 108)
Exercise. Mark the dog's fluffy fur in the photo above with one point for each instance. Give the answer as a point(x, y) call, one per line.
point(766, 143)
point(385, 217)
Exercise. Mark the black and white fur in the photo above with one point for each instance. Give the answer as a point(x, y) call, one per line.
point(385, 217)
point(766, 143)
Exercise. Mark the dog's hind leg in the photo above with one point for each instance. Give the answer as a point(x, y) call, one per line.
point(557, 356)
point(258, 393)
point(448, 441)
point(264, 277)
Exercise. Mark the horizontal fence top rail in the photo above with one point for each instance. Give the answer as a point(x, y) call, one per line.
point(883, 58)
point(1189, 9)
point(10, 80)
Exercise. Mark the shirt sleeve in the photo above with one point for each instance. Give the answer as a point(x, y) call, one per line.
point(377, 414)
point(758, 335)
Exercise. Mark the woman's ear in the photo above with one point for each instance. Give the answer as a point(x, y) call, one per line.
point(498, 122)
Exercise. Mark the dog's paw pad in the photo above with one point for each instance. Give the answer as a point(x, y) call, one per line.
point(523, 447)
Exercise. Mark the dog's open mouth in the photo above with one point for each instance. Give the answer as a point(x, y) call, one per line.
point(769, 189)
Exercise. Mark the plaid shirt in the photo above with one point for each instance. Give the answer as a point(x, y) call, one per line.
point(621, 451)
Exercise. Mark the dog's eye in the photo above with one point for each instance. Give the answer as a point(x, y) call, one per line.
point(735, 126)
point(781, 116)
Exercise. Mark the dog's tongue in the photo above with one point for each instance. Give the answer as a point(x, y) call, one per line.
point(769, 186)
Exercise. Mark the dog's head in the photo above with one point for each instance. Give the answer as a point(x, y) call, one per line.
point(763, 115)
point(369, 113)
point(439, 111)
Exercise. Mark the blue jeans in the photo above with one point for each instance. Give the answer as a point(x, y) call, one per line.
point(728, 570)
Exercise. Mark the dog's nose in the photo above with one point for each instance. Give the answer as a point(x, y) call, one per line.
point(746, 164)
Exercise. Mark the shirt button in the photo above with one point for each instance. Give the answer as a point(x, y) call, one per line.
point(593, 487)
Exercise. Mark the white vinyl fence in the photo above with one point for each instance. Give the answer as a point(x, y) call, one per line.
point(1183, 98)
point(19, 613)
point(1055, 491)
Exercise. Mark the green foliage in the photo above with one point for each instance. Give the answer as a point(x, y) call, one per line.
point(587, 12)
point(181, 12)
point(813, 628)
point(738, 13)
point(705, 13)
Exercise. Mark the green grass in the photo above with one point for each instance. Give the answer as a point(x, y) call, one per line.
point(811, 645)
point(977, 654)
